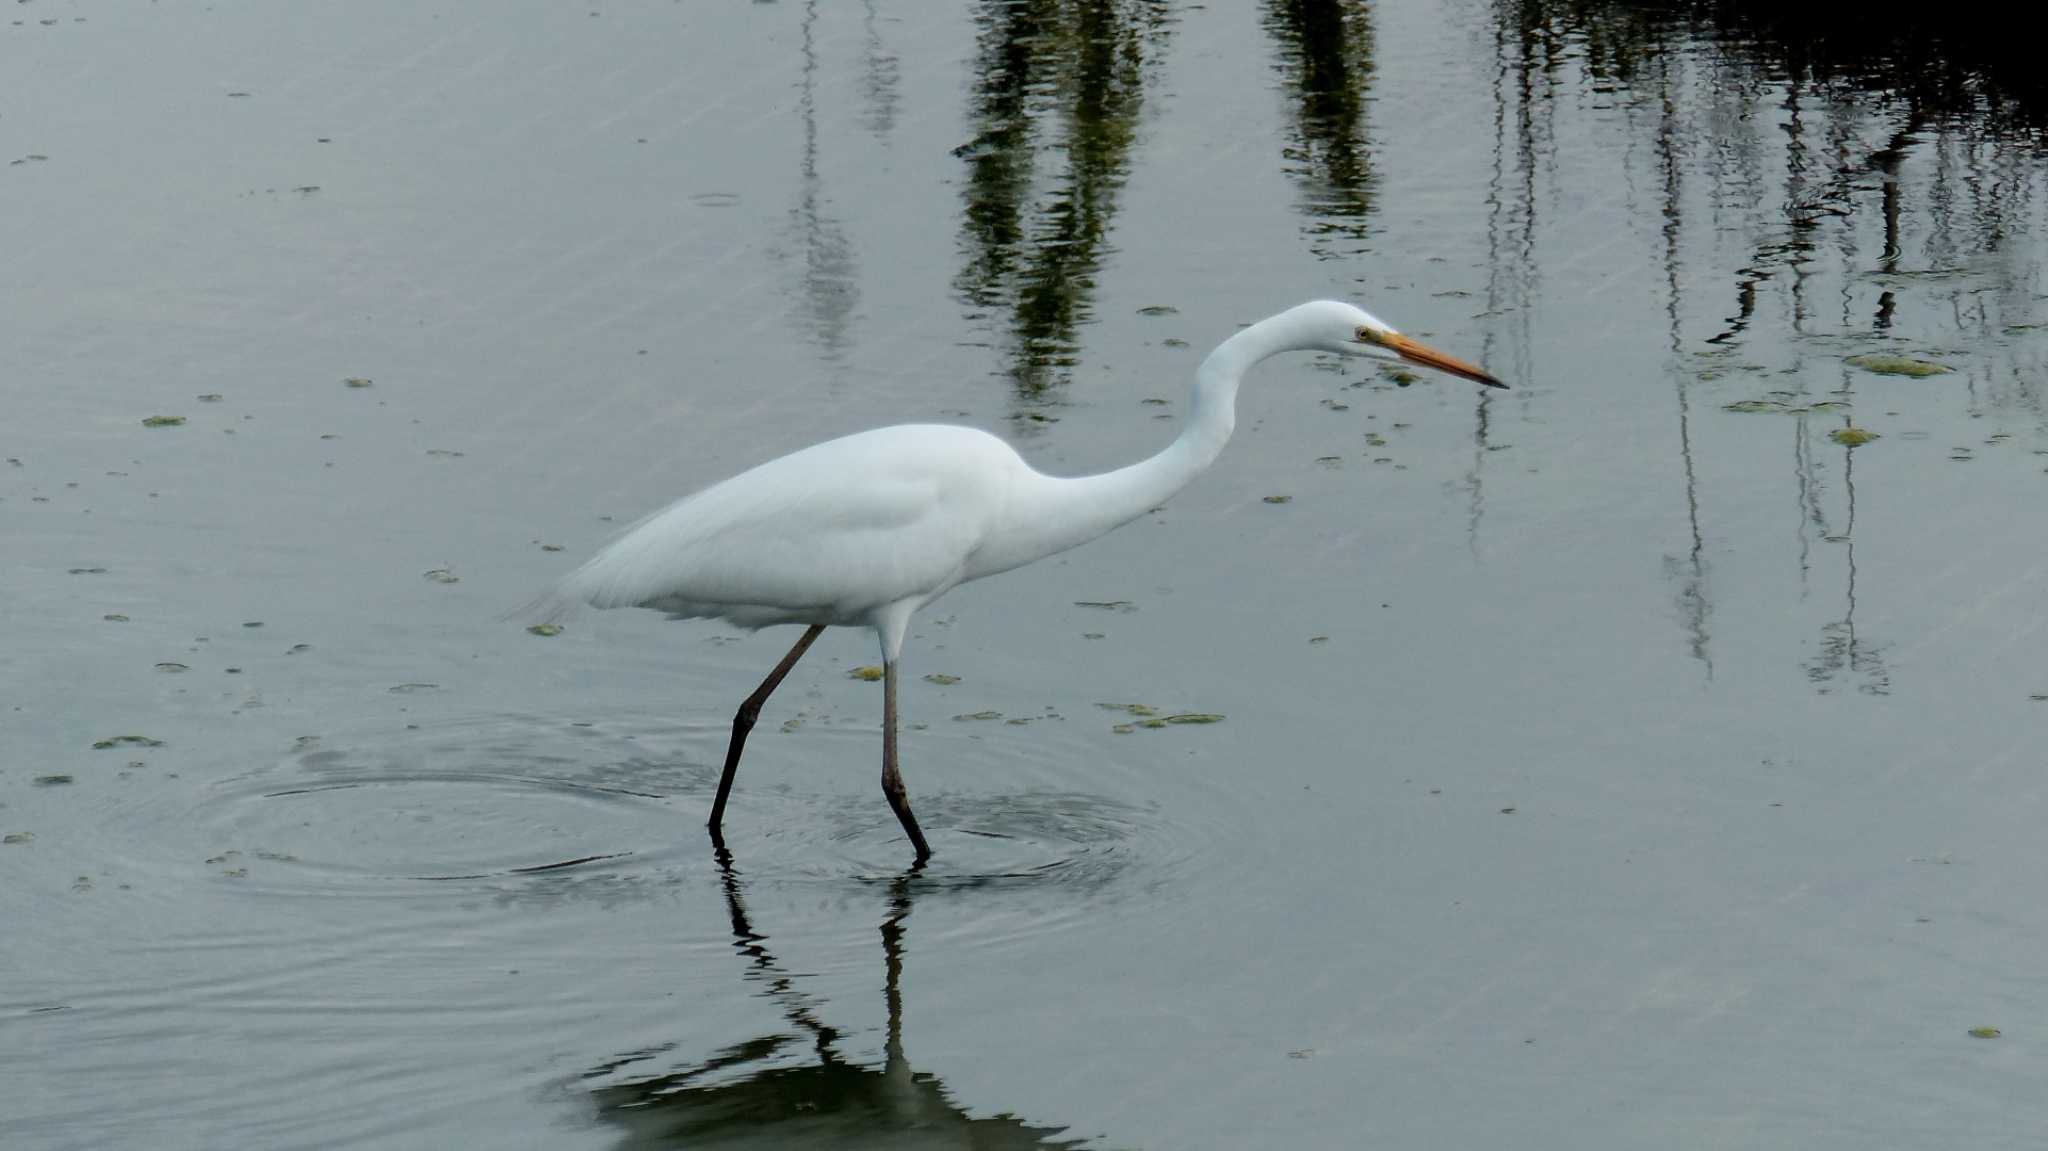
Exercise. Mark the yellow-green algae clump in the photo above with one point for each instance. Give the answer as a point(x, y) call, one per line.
point(1886, 364)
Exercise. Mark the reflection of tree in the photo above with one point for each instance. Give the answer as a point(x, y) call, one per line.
point(1056, 108)
point(1891, 160)
point(1693, 601)
point(884, 71)
point(750, 1094)
point(1843, 653)
point(1928, 60)
point(830, 286)
point(1326, 55)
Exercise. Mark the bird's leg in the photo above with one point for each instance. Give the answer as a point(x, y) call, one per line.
point(892, 781)
point(743, 723)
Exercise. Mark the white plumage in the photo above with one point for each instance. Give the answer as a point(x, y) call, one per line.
point(828, 535)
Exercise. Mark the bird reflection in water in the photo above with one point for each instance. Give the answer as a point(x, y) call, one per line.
point(749, 1096)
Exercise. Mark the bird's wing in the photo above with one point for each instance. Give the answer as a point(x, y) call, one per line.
point(839, 528)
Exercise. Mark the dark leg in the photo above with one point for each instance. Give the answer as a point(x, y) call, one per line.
point(892, 782)
point(744, 723)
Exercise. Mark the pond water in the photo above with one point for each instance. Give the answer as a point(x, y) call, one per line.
point(1645, 755)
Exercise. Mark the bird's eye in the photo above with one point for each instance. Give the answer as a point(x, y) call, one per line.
point(1365, 335)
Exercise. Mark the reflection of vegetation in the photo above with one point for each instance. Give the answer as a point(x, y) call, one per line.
point(1056, 108)
point(884, 73)
point(1843, 653)
point(831, 289)
point(1874, 175)
point(1326, 54)
point(1937, 62)
point(753, 1093)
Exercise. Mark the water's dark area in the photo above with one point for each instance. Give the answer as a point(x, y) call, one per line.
point(1643, 756)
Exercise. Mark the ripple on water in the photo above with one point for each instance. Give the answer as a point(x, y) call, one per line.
point(517, 808)
point(1007, 829)
point(498, 804)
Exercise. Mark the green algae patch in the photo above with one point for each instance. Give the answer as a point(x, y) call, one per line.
point(440, 575)
point(125, 741)
point(1754, 406)
point(1886, 364)
point(545, 630)
point(1146, 716)
point(942, 679)
point(869, 674)
point(1278, 499)
point(1852, 437)
point(355, 382)
point(979, 715)
point(1985, 1033)
point(163, 421)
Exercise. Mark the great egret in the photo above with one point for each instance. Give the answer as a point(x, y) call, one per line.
point(864, 530)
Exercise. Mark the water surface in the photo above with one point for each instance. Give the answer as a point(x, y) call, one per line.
point(1636, 757)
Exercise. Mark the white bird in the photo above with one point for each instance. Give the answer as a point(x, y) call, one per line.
point(864, 530)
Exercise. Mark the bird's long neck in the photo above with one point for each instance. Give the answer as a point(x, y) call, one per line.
point(1058, 513)
point(1130, 492)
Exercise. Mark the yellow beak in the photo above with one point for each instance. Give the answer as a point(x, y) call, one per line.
point(1416, 352)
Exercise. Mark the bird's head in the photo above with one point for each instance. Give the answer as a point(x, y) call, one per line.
point(1335, 326)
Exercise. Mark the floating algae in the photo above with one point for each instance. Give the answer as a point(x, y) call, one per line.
point(1885, 364)
point(1852, 437)
point(870, 673)
point(125, 741)
point(545, 629)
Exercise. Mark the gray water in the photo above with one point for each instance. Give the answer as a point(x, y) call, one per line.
point(1601, 766)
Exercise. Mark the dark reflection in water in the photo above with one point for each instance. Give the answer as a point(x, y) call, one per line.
point(1828, 182)
point(831, 283)
point(879, 85)
point(1325, 50)
point(1694, 602)
point(1055, 108)
point(758, 1094)
point(1844, 656)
